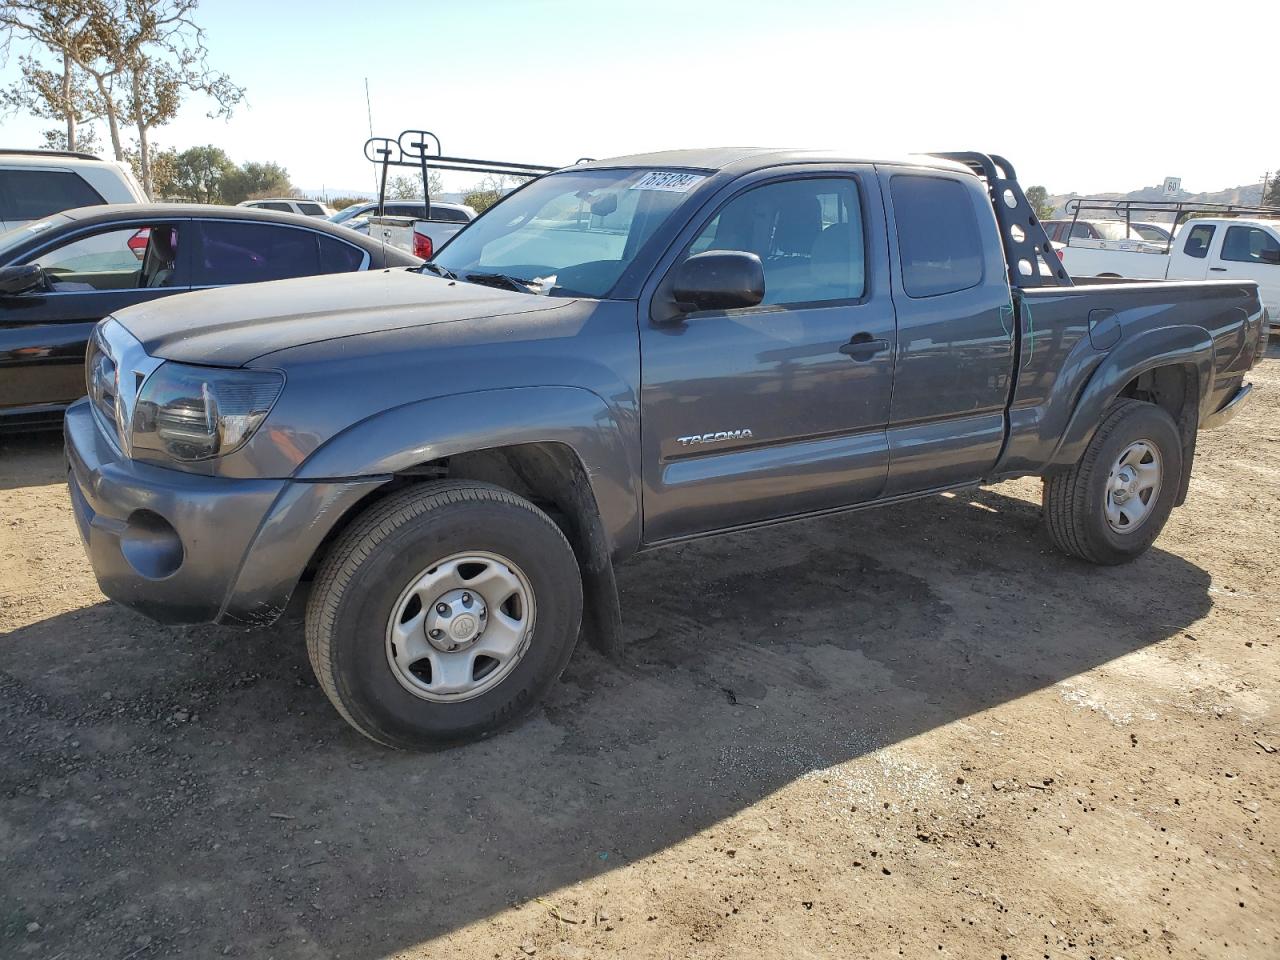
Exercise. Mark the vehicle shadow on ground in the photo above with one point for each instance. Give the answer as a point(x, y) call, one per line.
point(193, 786)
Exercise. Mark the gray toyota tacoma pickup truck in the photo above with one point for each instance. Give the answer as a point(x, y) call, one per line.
point(621, 355)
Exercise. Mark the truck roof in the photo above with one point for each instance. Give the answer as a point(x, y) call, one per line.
point(744, 159)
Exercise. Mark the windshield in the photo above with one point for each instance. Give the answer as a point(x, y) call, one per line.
point(346, 213)
point(11, 238)
point(569, 234)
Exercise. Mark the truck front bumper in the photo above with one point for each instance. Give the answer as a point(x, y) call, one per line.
point(1228, 410)
point(183, 548)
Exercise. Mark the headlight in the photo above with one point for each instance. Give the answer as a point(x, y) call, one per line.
point(190, 413)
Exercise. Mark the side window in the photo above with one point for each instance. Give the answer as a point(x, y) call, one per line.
point(32, 194)
point(1082, 231)
point(311, 209)
point(123, 259)
point(807, 233)
point(938, 238)
point(1197, 242)
point(1246, 245)
point(338, 257)
point(237, 252)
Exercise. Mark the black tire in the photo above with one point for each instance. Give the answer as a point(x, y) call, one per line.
point(373, 562)
point(1075, 500)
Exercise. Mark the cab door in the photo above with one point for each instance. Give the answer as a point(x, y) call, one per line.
point(778, 409)
point(1190, 257)
point(1251, 253)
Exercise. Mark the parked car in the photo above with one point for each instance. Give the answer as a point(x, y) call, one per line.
point(1204, 248)
point(356, 216)
point(402, 225)
point(61, 275)
point(307, 208)
point(37, 183)
point(1113, 234)
point(617, 357)
point(1154, 232)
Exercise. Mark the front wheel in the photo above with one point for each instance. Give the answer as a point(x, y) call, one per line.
point(1111, 505)
point(443, 613)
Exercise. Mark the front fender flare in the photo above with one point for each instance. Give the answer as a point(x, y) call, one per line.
point(396, 440)
point(1162, 347)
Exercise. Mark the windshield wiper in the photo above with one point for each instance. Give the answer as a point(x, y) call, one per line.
point(519, 284)
point(438, 270)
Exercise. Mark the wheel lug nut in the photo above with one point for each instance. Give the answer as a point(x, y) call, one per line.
point(442, 609)
point(466, 599)
point(435, 634)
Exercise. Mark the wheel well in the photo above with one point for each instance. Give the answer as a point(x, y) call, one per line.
point(1174, 388)
point(549, 475)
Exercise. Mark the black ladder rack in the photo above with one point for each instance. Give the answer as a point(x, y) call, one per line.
point(414, 148)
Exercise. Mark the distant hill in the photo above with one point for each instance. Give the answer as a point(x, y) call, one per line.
point(1247, 194)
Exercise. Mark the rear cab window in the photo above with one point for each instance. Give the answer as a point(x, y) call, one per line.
point(939, 242)
point(1198, 239)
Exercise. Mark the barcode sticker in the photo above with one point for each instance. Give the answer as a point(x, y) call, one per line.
point(668, 181)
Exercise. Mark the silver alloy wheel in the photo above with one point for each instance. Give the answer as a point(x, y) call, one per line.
point(1133, 486)
point(460, 627)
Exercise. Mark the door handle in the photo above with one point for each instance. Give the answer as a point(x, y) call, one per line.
point(1218, 269)
point(863, 347)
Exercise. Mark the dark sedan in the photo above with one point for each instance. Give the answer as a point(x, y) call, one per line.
point(61, 275)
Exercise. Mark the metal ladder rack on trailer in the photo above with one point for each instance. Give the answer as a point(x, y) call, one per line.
point(1026, 245)
point(413, 148)
point(1181, 210)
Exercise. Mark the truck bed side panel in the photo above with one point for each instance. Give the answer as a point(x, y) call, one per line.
point(1081, 345)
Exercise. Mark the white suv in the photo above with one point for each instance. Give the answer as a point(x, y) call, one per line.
point(308, 208)
point(37, 183)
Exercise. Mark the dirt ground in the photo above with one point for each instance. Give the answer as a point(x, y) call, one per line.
point(909, 732)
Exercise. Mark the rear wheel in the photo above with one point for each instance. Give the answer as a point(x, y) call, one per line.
point(1111, 505)
point(443, 614)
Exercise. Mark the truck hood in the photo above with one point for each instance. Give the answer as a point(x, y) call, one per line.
point(231, 326)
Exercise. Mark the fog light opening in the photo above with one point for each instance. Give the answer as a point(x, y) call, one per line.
point(151, 545)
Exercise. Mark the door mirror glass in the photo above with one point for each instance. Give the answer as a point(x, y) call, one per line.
point(14, 280)
point(719, 280)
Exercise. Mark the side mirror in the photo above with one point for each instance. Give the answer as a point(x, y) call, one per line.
point(20, 279)
point(1269, 256)
point(719, 280)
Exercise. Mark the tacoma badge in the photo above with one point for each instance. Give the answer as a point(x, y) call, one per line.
point(718, 437)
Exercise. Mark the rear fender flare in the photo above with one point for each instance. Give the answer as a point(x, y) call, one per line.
point(1132, 357)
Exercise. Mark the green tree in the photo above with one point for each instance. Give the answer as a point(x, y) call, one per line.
point(254, 180)
point(489, 191)
point(1273, 190)
point(199, 172)
point(341, 203)
point(1038, 197)
point(410, 188)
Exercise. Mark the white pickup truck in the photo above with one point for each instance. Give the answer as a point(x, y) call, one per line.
point(414, 234)
point(1209, 248)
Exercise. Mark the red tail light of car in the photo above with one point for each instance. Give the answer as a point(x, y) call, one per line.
point(422, 246)
point(138, 242)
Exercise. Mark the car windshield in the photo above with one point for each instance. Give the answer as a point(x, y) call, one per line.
point(346, 213)
point(568, 234)
point(11, 238)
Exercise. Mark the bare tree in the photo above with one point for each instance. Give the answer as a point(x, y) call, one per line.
point(137, 60)
point(64, 27)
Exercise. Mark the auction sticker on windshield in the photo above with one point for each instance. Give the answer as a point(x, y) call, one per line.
point(669, 181)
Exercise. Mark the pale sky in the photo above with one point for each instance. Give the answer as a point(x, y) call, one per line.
point(1157, 89)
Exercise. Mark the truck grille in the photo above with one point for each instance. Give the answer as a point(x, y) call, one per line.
point(116, 366)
